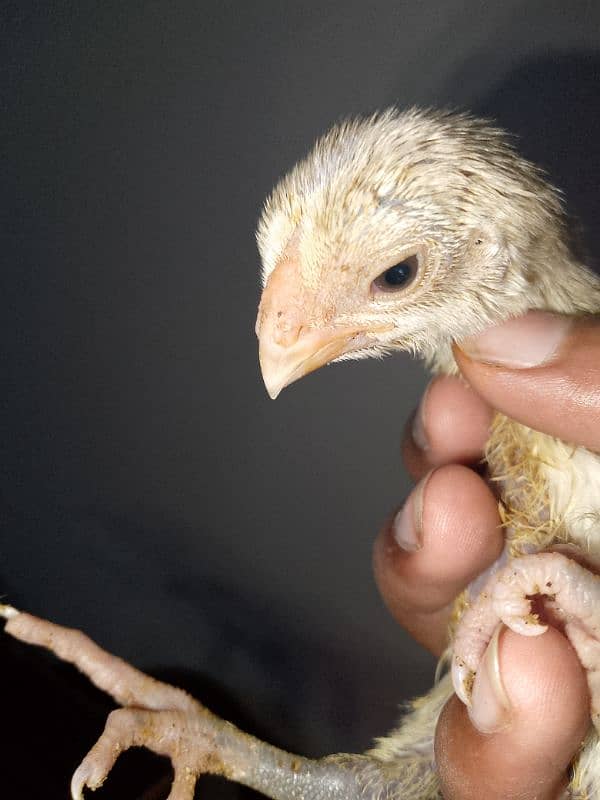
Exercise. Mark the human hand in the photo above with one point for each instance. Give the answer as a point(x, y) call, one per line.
point(516, 741)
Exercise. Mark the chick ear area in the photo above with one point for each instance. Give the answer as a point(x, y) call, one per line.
point(396, 277)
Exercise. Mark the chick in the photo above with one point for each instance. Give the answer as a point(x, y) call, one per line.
point(402, 231)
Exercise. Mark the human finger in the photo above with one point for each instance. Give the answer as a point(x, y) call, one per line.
point(430, 550)
point(531, 709)
point(542, 370)
point(450, 425)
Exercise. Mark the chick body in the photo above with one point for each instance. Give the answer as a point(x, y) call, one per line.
point(493, 242)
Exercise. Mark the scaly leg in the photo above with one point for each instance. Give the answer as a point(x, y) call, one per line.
point(571, 595)
point(169, 722)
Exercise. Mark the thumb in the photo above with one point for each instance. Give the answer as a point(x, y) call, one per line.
point(538, 703)
point(541, 369)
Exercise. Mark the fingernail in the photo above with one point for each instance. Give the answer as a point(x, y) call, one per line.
point(419, 436)
point(490, 707)
point(520, 343)
point(407, 526)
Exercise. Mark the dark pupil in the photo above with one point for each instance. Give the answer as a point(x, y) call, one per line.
point(398, 274)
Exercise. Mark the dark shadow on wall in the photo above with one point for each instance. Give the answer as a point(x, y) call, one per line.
point(553, 105)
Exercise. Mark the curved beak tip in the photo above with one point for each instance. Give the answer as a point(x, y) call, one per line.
point(281, 366)
point(275, 375)
point(273, 391)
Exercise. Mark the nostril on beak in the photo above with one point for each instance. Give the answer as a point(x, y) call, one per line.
point(286, 331)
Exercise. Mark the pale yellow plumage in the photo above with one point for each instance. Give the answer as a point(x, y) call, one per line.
point(495, 243)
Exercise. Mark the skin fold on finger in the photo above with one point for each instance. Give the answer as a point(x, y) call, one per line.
point(528, 759)
point(561, 397)
point(458, 541)
point(451, 425)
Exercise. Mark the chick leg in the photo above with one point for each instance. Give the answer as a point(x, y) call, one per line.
point(571, 595)
point(169, 722)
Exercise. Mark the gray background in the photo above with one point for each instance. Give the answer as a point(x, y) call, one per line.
point(151, 492)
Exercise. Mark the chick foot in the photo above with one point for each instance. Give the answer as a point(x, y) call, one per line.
point(569, 595)
point(170, 722)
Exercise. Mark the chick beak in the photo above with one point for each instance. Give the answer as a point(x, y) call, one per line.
point(290, 347)
point(284, 364)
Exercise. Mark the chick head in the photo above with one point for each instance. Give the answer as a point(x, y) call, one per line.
point(401, 231)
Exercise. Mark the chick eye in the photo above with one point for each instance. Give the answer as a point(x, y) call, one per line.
point(397, 277)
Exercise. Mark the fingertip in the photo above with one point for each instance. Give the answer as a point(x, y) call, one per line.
point(447, 550)
point(560, 395)
point(450, 425)
point(457, 421)
point(547, 688)
point(549, 719)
